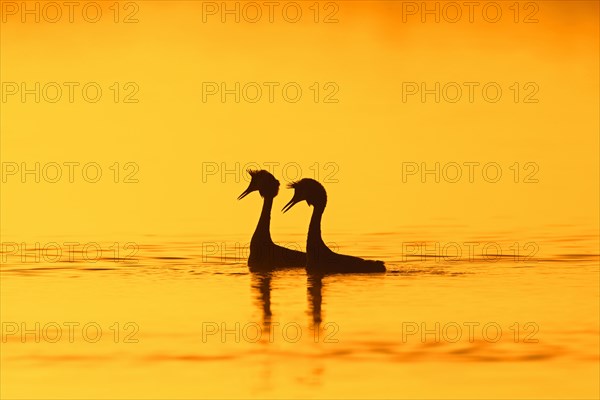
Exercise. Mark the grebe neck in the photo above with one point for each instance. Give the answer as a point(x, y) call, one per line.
point(262, 232)
point(314, 241)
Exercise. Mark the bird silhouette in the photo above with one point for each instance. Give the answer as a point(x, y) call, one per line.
point(264, 254)
point(320, 259)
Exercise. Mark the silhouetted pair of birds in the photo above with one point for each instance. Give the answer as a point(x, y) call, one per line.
point(318, 259)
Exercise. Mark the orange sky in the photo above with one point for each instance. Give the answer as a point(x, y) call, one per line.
point(364, 138)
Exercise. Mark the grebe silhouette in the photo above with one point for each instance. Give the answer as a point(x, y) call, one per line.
point(264, 254)
point(320, 259)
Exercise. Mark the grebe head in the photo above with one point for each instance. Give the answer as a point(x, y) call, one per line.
point(264, 182)
point(307, 189)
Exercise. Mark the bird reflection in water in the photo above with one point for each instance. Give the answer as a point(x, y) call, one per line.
point(261, 285)
point(314, 285)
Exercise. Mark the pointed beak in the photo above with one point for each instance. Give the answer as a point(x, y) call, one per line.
point(290, 204)
point(246, 193)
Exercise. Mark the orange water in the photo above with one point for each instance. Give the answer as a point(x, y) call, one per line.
point(200, 325)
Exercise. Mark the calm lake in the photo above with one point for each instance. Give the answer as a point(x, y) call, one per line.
point(182, 317)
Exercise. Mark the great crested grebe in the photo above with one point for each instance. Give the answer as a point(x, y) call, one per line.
point(264, 254)
point(320, 259)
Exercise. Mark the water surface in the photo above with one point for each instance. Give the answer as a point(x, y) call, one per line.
point(184, 318)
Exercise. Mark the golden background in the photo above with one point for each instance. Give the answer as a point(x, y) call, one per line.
point(368, 134)
point(358, 146)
